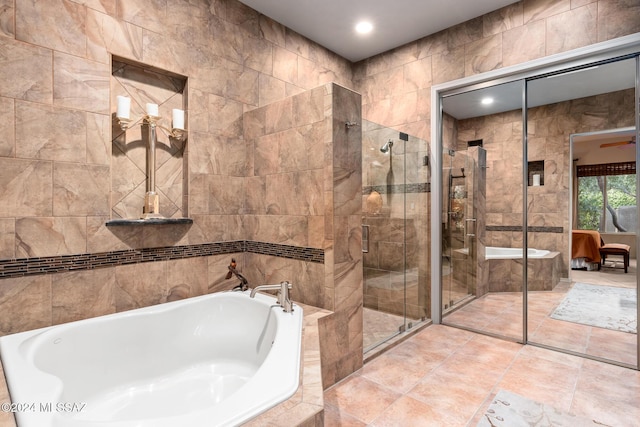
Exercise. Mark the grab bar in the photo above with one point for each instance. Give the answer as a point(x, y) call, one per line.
point(365, 238)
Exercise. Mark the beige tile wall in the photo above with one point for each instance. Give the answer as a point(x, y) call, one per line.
point(304, 185)
point(57, 102)
point(37, 301)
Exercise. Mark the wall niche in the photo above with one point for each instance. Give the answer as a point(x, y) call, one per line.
point(143, 85)
point(535, 173)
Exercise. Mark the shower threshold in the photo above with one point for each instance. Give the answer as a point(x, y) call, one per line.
point(459, 304)
point(376, 349)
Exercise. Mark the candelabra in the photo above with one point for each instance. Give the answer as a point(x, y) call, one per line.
point(151, 208)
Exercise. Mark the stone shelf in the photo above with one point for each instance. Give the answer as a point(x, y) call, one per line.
point(150, 221)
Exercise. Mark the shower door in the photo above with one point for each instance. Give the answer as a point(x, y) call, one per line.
point(463, 191)
point(383, 234)
point(395, 195)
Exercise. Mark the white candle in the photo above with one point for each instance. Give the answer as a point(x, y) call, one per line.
point(178, 119)
point(152, 110)
point(124, 107)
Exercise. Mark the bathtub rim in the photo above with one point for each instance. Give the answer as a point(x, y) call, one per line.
point(544, 253)
point(251, 400)
point(516, 253)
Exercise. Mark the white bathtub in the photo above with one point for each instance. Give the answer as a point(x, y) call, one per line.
point(509, 253)
point(513, 253)
point(215, 360)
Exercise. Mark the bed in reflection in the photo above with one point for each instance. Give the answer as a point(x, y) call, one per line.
point(585, 249)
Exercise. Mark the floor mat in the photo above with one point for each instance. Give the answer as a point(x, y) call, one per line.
point(601, 306)
point(512, 410)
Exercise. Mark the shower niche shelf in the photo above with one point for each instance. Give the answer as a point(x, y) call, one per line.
point(535, 168)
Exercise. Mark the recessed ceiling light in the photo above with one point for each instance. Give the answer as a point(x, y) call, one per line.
point(487, 101)
point(364, 27)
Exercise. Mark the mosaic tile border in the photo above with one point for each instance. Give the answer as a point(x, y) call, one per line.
point(285, 251)
point(421, 187)
point(56, 264)
point(531, 229)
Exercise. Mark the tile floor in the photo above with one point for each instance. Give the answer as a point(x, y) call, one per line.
point(444, 376)
point(500, 313)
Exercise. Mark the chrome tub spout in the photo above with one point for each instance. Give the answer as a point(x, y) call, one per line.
point(283, 294)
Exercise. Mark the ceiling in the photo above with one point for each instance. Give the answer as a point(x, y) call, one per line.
point(590, 144)
point(331, 23)
point(577, 84)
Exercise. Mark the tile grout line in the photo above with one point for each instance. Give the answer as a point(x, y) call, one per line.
point(493, 391)
point(577, 380)
point(405, 394)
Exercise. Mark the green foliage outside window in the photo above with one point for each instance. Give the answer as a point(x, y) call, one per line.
point(589, 203)
point(620, 192)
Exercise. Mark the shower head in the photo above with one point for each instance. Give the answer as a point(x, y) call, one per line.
point(387, 146)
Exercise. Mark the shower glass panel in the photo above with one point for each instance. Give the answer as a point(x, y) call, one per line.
point(581, 146)
point(459, 261)
point(395, 176)
point(482, 220)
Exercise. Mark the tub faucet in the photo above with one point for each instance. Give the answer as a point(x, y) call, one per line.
point(283, 294)
point(244, 284)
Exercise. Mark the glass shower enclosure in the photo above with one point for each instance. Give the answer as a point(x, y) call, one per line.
point(395, 174)
point(463, 191)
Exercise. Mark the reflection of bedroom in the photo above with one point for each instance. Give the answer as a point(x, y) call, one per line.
point(549, 155)
point(604, 200)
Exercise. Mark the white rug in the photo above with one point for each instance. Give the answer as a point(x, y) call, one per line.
point(512, 410)
point(601, 306)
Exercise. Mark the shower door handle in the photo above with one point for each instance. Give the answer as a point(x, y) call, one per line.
point(365, 238)
point(466, 226)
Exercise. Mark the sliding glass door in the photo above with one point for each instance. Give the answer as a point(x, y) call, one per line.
point(482, 280)
point(539, 209)
point(581, 146)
